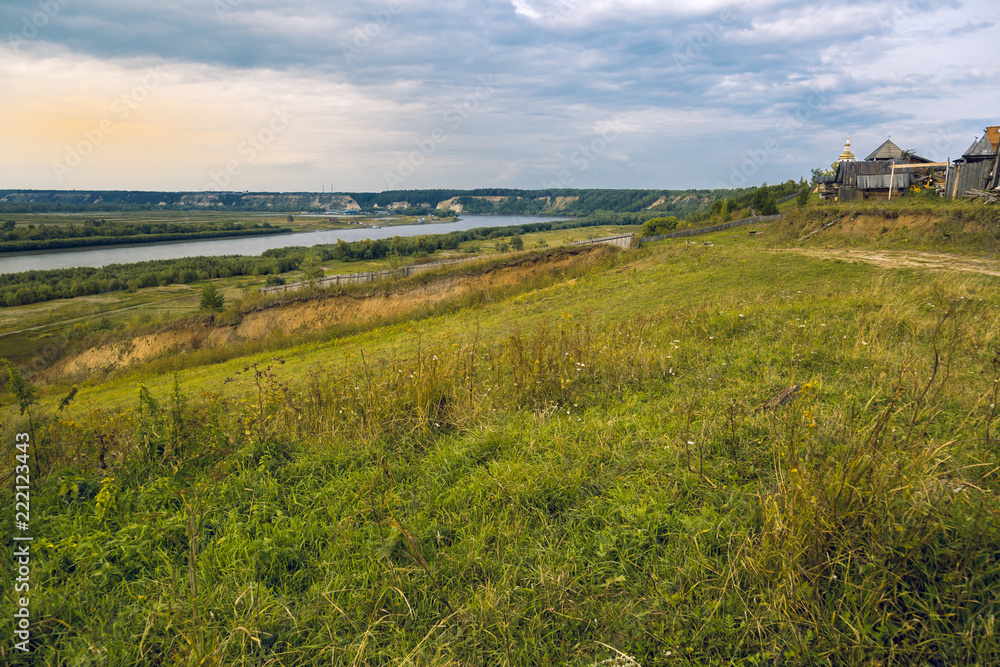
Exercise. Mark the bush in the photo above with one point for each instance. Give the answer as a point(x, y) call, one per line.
point(657, 226)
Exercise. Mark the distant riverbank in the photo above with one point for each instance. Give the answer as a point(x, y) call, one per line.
point(253, 245)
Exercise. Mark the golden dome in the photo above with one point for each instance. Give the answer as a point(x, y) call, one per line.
point(847, 155)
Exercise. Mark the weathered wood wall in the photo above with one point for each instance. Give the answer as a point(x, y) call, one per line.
point(968, 176)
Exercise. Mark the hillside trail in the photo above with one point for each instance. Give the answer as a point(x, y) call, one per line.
point(910, 259)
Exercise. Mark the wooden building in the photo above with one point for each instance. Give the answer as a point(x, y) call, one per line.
point(978, 168)
point(888, 171)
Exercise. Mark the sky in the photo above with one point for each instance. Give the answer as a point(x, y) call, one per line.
point(262, 95)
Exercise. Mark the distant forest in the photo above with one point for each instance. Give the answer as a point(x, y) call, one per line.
point(570, 202)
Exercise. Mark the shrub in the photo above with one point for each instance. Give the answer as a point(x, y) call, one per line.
point(657, 226)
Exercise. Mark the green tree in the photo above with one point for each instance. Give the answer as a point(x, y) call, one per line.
point(211, 298)
point(803, 197)
point(517, 243)
point(291, 218)
point(763, 201)
point(311, 266)
point(721, 208)
point(820, 173)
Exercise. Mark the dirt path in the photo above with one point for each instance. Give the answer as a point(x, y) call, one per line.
point(91, 316)
point(932, 261)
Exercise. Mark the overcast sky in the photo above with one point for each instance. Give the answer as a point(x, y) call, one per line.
point(398, 94)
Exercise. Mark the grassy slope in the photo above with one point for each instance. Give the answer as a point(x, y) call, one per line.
point(47, 328)
point(549, 479)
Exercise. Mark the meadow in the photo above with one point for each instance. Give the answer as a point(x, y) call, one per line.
point(585, 470)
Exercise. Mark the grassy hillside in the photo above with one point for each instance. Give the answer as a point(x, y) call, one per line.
point(915, 223)
point(35, 336)
point(567, 473)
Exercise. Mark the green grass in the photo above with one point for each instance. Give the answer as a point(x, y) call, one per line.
point(552, 477)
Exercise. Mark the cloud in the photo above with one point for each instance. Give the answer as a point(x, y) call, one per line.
point(971, 27)
point(695, 85)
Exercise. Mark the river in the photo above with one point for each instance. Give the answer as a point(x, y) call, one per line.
point(250, 245)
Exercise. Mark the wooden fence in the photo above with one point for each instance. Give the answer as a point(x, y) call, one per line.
point(370, 276)
point(622, 241)
point(714, 228)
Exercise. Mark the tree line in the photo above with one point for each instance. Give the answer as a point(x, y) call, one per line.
point(579, 202)
point(34, 286)
point(576, 203)
point(762, 199)
point(101, 232)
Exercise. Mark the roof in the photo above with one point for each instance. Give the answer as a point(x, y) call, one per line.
point(981, 148)
point(887, 151)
